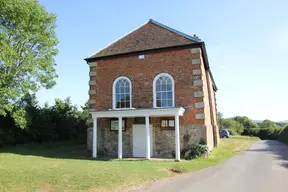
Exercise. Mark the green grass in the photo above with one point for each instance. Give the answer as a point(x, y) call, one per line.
point(69, 168)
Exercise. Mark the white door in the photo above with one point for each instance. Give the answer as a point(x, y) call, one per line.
point(139, 141)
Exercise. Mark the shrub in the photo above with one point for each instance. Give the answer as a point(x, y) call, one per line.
point(267, 133)
point(194, 151)
point(284, 134)
point(202, 141)
point(232, 132)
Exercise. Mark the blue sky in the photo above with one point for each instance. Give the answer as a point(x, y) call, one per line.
point(247, 44)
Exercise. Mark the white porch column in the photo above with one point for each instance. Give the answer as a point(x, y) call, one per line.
point(147, 125)
point(177, 139)
point(120, 138)
point(94, 135)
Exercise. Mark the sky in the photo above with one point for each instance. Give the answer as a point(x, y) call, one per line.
point(246, 41)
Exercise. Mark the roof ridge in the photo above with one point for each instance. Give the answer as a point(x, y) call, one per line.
point(174, 31)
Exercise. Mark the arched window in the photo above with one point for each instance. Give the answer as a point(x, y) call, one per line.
point(163, 90)
point(122, 93)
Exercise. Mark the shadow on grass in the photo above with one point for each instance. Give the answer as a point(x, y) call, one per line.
point(276, 148)
point(59, 150)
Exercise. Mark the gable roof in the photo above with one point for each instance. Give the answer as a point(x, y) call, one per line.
point(151, 35)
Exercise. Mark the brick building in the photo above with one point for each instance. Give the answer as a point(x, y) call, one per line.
point(151, 94)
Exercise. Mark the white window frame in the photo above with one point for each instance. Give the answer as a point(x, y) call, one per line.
point(154, 89)
point(114, 92)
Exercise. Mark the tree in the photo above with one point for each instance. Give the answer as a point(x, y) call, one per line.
point(268, 124)
point(232, 124)
point(220, 120)
point(245, 121)
point(27, 50)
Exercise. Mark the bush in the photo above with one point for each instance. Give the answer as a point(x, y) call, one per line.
point(202, 141)
point(284, 134)
point(232, 132)
point(267, 133)
point(194, 151)
point(232, 124)
point(62, 121)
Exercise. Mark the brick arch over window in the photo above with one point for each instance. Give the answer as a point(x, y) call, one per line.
point(122, 93)
point(163, 91)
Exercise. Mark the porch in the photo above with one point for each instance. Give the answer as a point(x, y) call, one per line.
point(132, 113)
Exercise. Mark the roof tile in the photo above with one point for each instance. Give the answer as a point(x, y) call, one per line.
point(151, 35)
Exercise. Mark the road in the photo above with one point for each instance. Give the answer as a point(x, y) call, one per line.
point(261, 168)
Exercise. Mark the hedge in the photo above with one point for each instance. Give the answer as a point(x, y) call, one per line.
point(264, 133)
point(284, 135)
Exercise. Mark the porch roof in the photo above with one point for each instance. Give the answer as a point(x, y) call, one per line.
point(139, 112)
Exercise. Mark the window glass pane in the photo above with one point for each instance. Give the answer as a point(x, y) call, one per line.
point(127, 89)
point(127, 97)
point(117, 97)
point(164, 95)
point(163, 87)
point(118, 104)
point(158, 95)
point(158, 103)
point(117, 89)
point(169, 95)
point(127, 103)
point(122, 89)
point(168, 80)
point(164, 103)
point(169, 103)
point(122, 104)
point(169, 87)
point(158, 87)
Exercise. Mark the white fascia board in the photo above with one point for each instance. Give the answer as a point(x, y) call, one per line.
point(156, 112)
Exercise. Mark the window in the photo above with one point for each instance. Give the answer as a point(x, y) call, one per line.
point(122, 93)
point(163, 90)
point(114, 126)
point(167, 123)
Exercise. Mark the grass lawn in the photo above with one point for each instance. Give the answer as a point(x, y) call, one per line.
point(68, 168)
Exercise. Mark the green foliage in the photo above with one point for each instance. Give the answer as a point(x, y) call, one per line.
point(61, 121)
point(264, 133)
point(27, 50)
point(245, 121)
point(269, 124)
point(194, 151)
point(232, 124)
point(284, 134)
point(202, 141)
point(220, 120)
point(232, 132)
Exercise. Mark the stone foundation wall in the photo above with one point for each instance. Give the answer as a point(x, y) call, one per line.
point(107, 142)
point(163, 140)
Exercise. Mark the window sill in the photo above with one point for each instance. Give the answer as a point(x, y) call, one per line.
point(122, 108)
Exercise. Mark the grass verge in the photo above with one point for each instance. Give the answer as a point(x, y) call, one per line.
point(66, 168)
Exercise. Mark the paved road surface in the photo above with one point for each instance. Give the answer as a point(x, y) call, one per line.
point(262, 168)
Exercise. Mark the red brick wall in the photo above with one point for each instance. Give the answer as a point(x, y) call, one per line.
point(177, 63)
